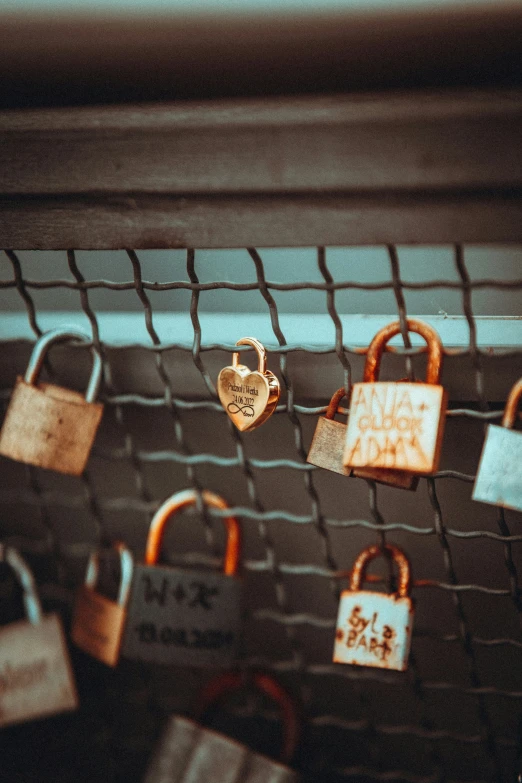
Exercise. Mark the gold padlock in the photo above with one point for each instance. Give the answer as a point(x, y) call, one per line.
point(374, 629)
point(327, 446)
point(499, 477)
point(47, 425)
point(248, 396)
point(399, 425)
point(36, 678)
point(98, 622)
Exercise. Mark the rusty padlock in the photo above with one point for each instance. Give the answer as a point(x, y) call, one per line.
point(36, 678)
point(499, 477)
point(327, 451)
point(399, 425)
point(327, 446)
point(47, 425)
point(374, 629)
point(181, 616)
point(189, 752)
point(98, 623)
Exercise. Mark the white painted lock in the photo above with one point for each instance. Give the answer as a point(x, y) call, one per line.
point(499, 477)
point(374, 629)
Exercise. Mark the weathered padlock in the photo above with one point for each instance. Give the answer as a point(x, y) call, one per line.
point(327, 451)
point(374, 629)
point(327, 446)
point(248, 396)
point(190, 753)
point(98, 623)
point(47, 425)
point(36, 678)
point(181, 616)
point(397, 425)
point(499, 477)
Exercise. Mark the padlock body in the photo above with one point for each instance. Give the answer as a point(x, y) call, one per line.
point(98, 625)
point(373, 629)
point(185, 617)
point(190, 753)
point(395, 425)
point(499, 476)
point(50, 427)
point(36, 679)
point(327, 446)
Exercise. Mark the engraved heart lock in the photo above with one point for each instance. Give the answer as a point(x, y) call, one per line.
point(248, 396)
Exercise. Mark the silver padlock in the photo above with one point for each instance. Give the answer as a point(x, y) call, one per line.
point(374, 629)
point(182, 616)
point(98, 623)
point(47, 425)
point(36, 678)
point(190, 753)
point(327, 446)
point(499, 477)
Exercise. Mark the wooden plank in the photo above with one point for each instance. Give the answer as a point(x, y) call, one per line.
point(272, 221)
point(311, 146)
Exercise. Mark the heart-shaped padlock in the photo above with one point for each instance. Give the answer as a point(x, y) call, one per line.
point(248, 396)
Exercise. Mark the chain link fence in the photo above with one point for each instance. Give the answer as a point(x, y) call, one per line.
point(455, 715)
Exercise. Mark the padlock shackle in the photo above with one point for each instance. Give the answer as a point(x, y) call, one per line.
point(259, 349)
point(180, 500)
point(58, 335)
point(32, 605)
point(363, 560)
point(333, 405)
point(512, 404)
point(378, 344)
point(218, 688)
point(92, 573)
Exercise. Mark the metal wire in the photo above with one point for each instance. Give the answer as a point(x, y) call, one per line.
point(361, 724)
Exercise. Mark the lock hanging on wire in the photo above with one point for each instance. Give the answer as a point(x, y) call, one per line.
point(98, 623)
point(248, 396)
point(328, 445)
point(47, 425)
point(36, 678)
point(190, 753)
point(374, 629)
point(499, 477)
point(182, 616)
point(397, 426)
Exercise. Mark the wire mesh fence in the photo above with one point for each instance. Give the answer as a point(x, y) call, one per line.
point(456, 714)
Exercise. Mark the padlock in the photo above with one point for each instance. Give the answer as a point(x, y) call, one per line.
point(248, 396)
point(397, 425)
point(98, 623)
point(499, 477)
point(36, 678)
point(374, 629)
point(190, 753)
point(328, 445)
point(181, 616)
point(47, 425)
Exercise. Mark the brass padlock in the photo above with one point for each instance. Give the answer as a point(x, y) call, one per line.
point(47, 425)
point(36, 678)
point(374, 629)
point(189, 752)
point(327, 446)
point(327, 451)
point(248, 396)
point(399, 425)
point(499, 477)
point(181, 616)
point(98, 623)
